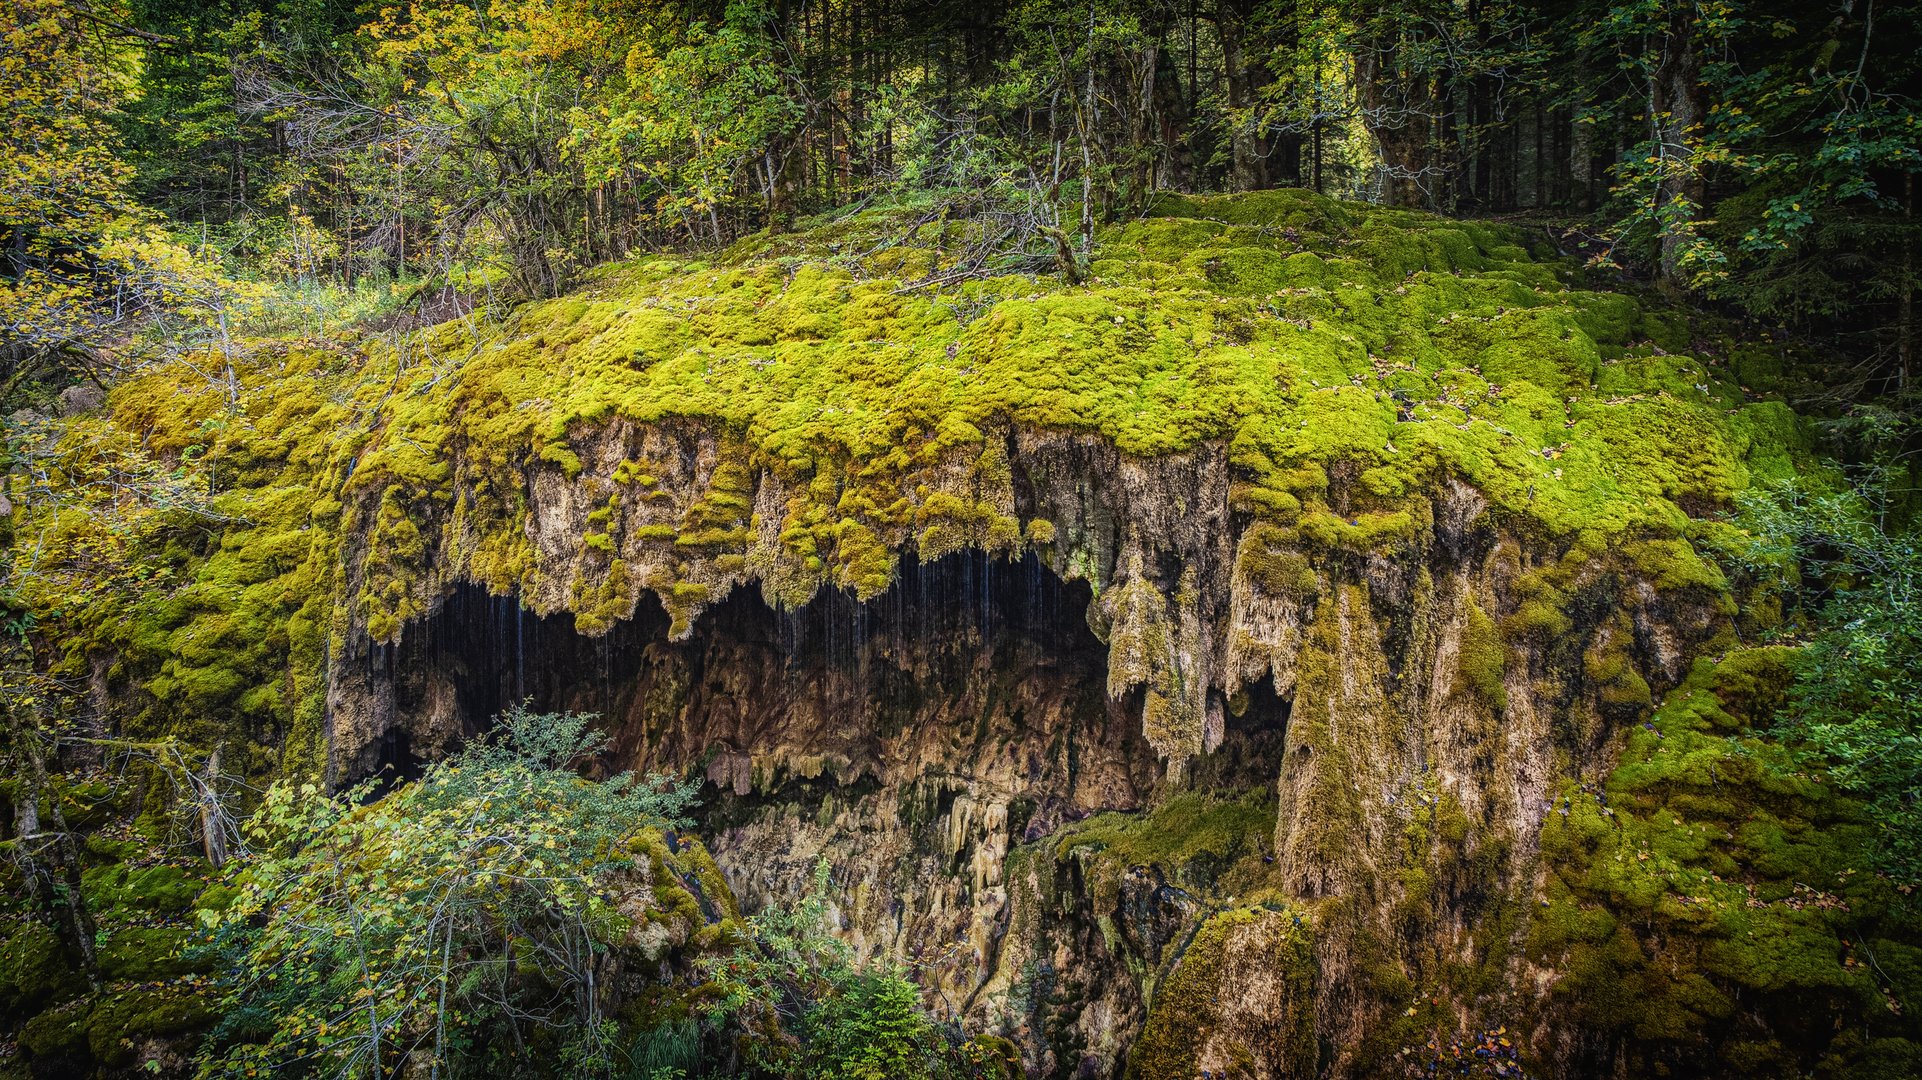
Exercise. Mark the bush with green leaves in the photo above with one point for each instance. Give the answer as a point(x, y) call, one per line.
point(871, 1027)
point(806, 1008)
point(466, 914)
point(1856, 705)
point(466, 922)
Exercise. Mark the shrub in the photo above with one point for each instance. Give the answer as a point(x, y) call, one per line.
point(457, 912)
point(1856, 704)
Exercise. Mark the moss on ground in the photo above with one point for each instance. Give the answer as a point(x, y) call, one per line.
point(154, 988)
point(34, 970)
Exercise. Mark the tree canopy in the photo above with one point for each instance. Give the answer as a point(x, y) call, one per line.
point(1757, 151)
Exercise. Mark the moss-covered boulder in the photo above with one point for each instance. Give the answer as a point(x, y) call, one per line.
point(1716, 908)
point(34, 969)
point(796, 415)
point(123, 889)
point(121, 1020)
point(1240, 1002)
point(147, 954)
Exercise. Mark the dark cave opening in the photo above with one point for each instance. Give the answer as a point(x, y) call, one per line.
point(875, 663)
point(923, 744)
point(964, 658)
point(1255, 725)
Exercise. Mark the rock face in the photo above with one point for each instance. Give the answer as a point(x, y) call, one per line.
point(1127, 639)
point(1176, 669)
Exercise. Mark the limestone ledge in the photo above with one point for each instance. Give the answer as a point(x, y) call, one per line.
point(1198, 590)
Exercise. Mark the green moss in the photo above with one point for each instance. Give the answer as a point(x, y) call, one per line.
point(88, 805)
point(121, 1019)
point(992, 1057)
point(132, 890)
point(145, 954)
point(598, 607)
point(1365, 532)
point(59, 1032)
point(35, 972)
point(1208, 844)
point(1484, 657)
point(1707, 887)
point(1198, 997)
point(1609, 667)
point(1193, 831)
point(1267, 559)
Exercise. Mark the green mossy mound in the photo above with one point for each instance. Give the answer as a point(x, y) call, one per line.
point(1203, 840)
point(1716, 907)
point(1189, 1027)
point(34, 969)
point(1298, 332)
point(154, 987)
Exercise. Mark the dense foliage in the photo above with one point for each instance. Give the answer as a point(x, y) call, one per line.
point(1856, 705)
point(486, 911)
point(1756, 150)
point(818, 1014)
point(80, 258)
point(462, 914)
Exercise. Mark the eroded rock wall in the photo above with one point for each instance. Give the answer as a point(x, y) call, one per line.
point(1073, 631)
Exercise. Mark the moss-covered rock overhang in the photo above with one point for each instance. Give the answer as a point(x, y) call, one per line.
point(1248, 392)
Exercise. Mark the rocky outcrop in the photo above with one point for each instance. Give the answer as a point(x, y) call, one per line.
point(1112, 632)
point(1175, 667)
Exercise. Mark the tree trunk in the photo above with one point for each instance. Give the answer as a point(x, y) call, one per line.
point(1248, 165)
point(1394, 108)
point(1175, 160)
point(1676, 108)
point(1905, 320)
point(213, 836)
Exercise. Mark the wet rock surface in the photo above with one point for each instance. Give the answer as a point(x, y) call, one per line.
point(938, 743)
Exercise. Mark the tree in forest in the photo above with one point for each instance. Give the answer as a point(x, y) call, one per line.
point(84, 265)
point(1308, 108)
point(471, 107)
point(1776, 154)
point(701, 120)
point(1824, 146)
point(81, 265)
point(468, 911)
point(812, 1011)
point(63, 203)
point(1761, 152)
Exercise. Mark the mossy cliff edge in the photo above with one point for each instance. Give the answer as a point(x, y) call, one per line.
point(1386, 516)
point(1249, 387)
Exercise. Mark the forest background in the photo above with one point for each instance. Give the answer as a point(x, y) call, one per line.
point(305, 159)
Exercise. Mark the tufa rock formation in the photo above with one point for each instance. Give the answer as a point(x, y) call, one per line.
point(1219, 668)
